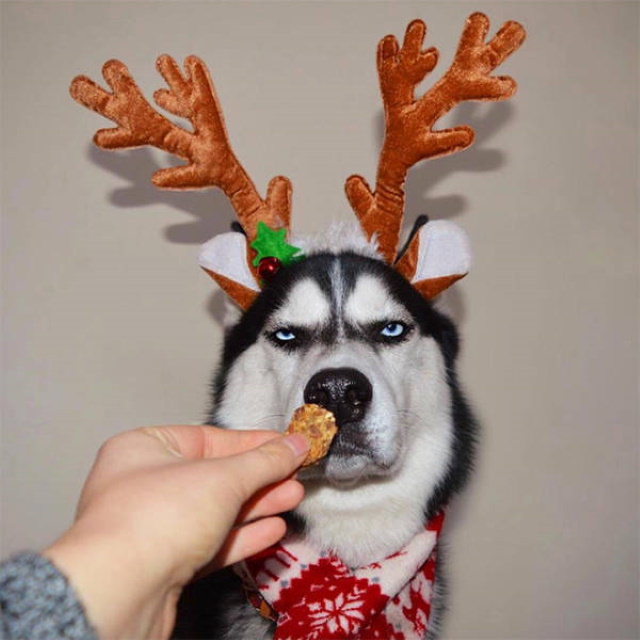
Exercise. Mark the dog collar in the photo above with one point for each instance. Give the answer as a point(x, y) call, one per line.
point(315, 596)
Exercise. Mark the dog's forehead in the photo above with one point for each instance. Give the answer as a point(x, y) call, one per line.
point(370, 299)
point(305, 305)
point(338, 295)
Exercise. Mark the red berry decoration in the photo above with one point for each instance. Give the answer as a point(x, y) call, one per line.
point(268, 267)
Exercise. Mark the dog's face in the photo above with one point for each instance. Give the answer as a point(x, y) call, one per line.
point(346, 332)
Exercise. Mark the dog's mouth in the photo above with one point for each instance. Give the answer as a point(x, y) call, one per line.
point(351, 440)
point(352, 457)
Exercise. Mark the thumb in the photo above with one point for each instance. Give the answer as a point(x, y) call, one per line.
point(269, 463)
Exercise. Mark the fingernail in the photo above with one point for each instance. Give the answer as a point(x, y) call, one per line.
point(297, 443)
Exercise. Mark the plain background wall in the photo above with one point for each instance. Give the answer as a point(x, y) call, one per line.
point(109, 323)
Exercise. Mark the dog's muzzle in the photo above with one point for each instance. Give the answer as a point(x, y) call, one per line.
point(357, 449)
point(346, 392)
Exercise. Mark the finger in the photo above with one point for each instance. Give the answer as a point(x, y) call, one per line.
point(157, 446)
point(267, 464)
point(227, 442)
point(203, 441)
point(272, 500)
point(246, 541)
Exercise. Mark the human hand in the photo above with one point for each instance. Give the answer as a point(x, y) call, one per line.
point(161, 503)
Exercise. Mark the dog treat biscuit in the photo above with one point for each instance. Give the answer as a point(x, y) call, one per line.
point(318, 425)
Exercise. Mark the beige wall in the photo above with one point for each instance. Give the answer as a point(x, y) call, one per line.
point(109, 324)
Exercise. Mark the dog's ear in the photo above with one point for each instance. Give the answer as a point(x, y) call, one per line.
point(224, 258)
point(443, 256)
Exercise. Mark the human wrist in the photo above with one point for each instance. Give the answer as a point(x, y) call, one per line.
point(124, 595)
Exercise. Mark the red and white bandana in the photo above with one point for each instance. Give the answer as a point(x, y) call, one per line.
point(315, 596)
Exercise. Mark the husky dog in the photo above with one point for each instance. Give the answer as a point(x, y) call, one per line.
point(346, 322)
point(345, 330)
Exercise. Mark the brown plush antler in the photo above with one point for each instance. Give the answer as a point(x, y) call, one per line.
point(409, 135)
point(409, 138)
point(211, 161)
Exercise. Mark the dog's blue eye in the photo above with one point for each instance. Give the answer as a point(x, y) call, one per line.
point(289, 338)
point(393, 330)
point(284, 335)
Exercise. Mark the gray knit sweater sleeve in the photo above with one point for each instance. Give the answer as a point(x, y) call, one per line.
point(38, 603)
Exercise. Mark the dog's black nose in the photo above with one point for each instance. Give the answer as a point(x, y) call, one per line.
point(345, 392)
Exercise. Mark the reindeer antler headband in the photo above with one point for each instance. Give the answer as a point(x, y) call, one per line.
point(409, 138)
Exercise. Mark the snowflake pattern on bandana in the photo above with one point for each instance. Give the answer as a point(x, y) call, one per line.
point(315, 596)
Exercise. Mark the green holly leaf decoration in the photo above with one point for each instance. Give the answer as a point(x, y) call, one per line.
point(272, 243)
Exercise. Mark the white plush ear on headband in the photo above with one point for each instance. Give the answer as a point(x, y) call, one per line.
point(444, 252)
point(226, 255)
